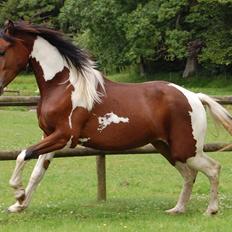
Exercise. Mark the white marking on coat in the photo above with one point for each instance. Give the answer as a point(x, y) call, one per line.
point(83, 140)
point(48, 57)
point(85, 85)
point(70, 119)
point(109, 118)
point(85, 82)
point(36, 176)
point(69, 143)
point(16, 178)
point(197, 115)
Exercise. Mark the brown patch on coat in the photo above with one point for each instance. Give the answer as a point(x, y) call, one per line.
point(46, 164)
point(21, 198)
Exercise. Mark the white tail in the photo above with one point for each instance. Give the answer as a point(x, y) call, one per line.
point(219, 113)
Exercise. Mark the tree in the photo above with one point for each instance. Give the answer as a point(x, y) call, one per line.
point(97, 27)
point(194, 47)
point(210, 21)
point(121, 33)
point(31, 10)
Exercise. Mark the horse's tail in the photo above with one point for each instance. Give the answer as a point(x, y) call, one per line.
point(219, 113)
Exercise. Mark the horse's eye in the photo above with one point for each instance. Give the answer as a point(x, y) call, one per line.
point(2, 53)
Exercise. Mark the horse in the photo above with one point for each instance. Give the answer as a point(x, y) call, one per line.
point(79, 105)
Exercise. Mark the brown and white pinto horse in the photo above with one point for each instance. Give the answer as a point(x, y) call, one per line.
point(79, 106)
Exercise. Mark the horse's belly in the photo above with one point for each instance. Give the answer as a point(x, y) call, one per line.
point(112, 143)
point(119, 133)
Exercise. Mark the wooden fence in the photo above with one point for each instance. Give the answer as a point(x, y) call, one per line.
point(100, 155)
point(33, 100)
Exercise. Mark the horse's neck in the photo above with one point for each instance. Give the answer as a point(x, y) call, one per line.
point(48, 57)
point(48, 86)
point(52, 71)
point(47, 63)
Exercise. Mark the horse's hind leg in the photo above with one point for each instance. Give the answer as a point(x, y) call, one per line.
point(189, 176)
point(201, 162)
point(38, 172)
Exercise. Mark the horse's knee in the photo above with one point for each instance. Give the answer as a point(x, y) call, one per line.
point(21, 157)
point(64, 141)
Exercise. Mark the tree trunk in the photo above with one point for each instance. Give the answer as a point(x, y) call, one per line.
point(194, 48)
point(190, 67)
point(141, 67)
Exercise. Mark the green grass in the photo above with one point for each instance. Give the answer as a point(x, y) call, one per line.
point(139, 187)
point(25, 84)
point(220, 85)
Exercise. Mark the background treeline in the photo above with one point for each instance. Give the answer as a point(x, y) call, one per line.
point(182, 35)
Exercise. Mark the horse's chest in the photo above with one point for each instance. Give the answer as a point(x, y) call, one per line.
point(52, 113)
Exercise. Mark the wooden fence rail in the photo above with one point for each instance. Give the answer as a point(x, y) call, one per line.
point(33, 100)
point(19, 100)
point(84, 151)
point(100, 155)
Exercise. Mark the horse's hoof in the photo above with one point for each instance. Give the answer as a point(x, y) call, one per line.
point(175, 211)
point(15, 208)
point(211, 212)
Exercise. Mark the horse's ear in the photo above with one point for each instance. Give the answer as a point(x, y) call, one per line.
point(9, 27)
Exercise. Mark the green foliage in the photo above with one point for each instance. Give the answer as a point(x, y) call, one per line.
point(176, 41)
point(141, 33)
point(70, 15)
point(31, 10)
point(9, 10)
point(169, 9)
point(121, 33)
point(219, 49)
point(211, 22)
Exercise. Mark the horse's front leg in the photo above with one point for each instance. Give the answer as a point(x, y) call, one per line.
point(16, 178)
point(51, 143)
point(36, 176)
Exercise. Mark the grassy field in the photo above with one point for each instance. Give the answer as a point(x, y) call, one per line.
point(139, 187)
point(220, 85)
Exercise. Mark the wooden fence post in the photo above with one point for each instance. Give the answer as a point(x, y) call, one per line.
point(101, 177)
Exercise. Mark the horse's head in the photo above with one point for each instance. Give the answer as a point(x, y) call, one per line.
point(14, 54)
